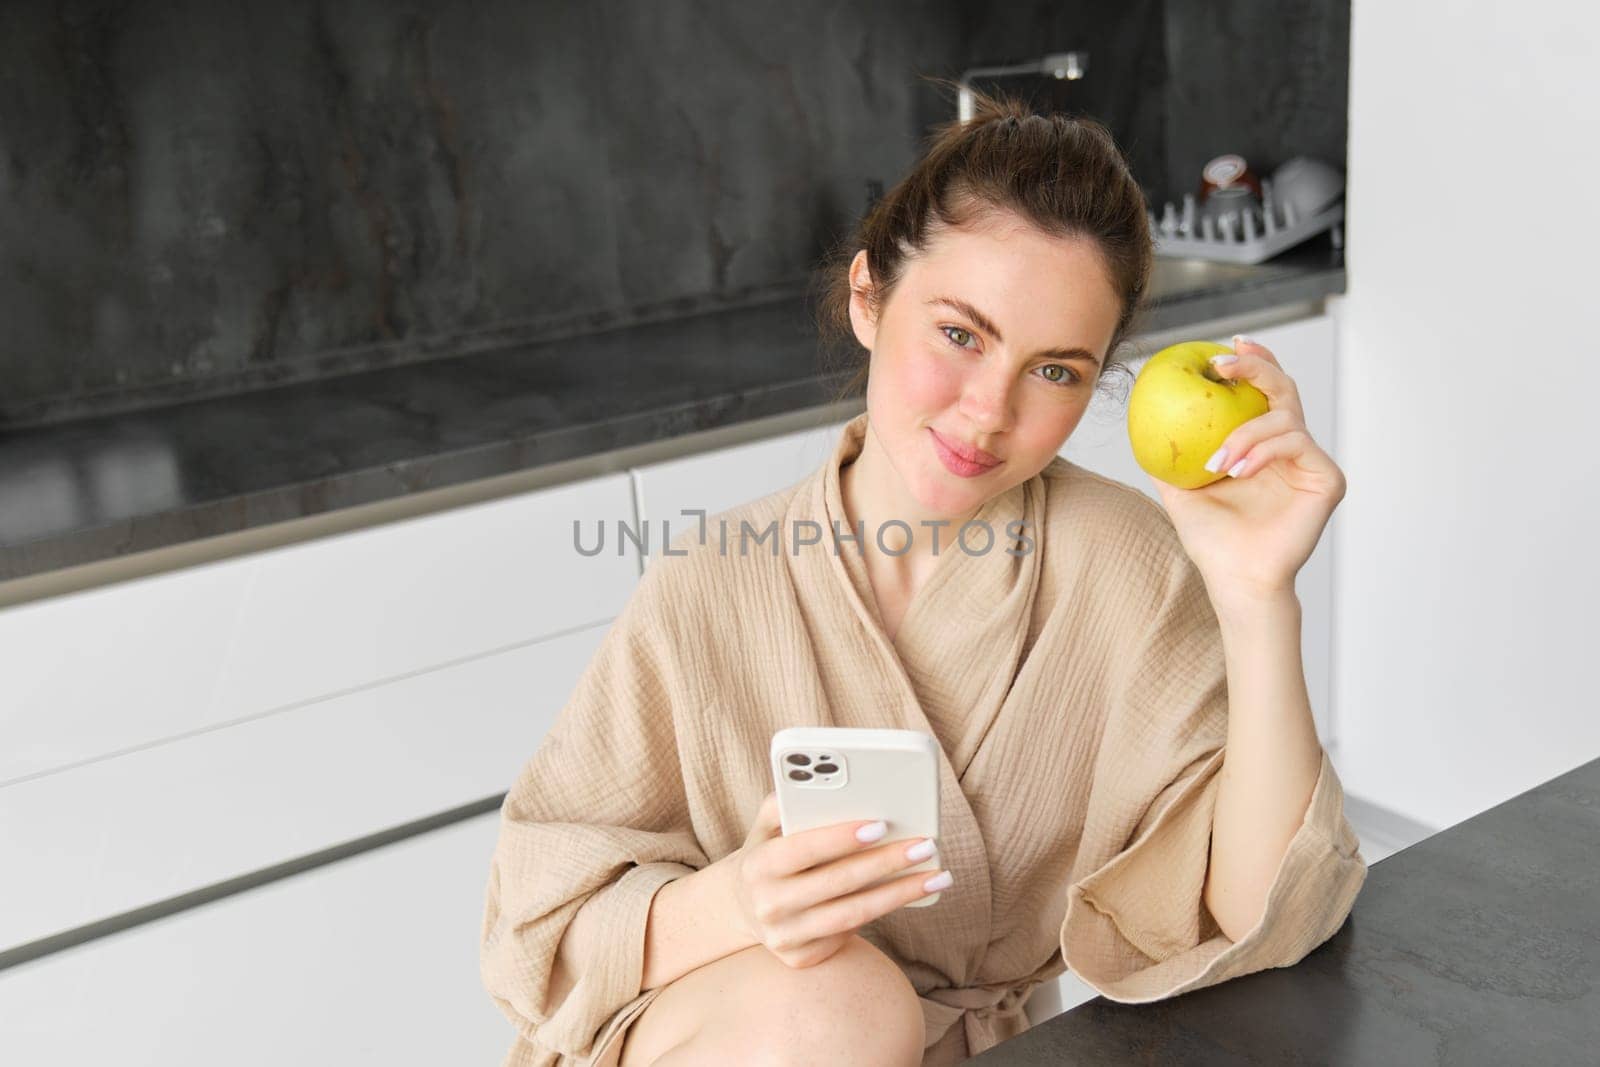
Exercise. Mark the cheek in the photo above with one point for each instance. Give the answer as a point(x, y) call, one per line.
point(1047, 431)
point(922, 382)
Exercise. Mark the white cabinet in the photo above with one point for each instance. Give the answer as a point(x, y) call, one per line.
point(170, 733)
point(146, 826)
point(371, 960)
point(114, 668)
point(1307, 348)
point(718, 480)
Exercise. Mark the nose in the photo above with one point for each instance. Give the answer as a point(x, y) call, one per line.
point(986, 398)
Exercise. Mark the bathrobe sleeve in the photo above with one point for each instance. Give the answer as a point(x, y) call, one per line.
point(597, 820)
point(1136, 927)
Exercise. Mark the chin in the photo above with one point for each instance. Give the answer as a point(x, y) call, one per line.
point(944, 493)
point(934, 488)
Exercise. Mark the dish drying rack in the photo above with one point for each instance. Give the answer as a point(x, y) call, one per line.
point(1247, 235)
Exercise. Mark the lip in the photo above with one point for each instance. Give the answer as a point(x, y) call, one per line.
point(962, 459)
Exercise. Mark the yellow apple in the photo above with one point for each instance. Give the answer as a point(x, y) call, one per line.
point(1180, 411)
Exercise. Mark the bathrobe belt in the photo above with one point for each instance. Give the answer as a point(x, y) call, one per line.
point(991, 1014)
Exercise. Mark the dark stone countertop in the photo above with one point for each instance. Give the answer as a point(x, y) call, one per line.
point(96, 488)
point(1478, 945)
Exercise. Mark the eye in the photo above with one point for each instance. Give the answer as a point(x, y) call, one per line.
point(1068, 376)
point(957, 335)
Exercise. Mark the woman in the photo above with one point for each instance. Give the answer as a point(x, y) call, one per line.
point(1084, 675)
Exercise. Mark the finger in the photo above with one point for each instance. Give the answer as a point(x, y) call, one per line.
point(1265, 375)
point(1295, 445)
point(768, 822)
point(1247, 435)
point(807, 848)
point(847, 874)
point(1241, 341)
point(813, 952)
point(854, 911)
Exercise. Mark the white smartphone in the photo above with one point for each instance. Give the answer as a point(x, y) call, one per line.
point(832, 774)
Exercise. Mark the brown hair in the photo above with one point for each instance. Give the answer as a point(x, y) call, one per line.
point(1063, 173)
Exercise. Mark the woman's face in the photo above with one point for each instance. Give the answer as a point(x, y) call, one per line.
point(992, 341)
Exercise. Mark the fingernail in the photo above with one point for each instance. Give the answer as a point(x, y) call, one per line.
point(942, 880)
point(872, 831)
point(921, 850)
point(1218, 458)
point(1226, 357)
point(1233, 471)
point(1240, 338)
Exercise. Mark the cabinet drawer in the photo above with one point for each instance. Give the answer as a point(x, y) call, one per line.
point(718, 480)
point(370, 960)
point(98, 840)
point(115, 668)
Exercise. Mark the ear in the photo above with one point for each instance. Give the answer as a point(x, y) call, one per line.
point(861, 318)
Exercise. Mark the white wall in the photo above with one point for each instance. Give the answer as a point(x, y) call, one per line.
point(1468, 547)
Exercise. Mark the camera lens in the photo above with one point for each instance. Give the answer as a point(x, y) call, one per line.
point(799, 759)
point(825, 768)
point(800, 776)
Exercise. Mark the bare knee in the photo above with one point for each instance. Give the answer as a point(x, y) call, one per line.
point(855, 1008)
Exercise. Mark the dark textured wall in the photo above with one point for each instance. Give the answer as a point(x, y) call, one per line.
point(1126, 77)
point(198, 197)
point(1183, 81)
point(1268, 80)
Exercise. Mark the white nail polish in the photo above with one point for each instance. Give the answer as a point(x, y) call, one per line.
point(942, 880)
point(872, 831)
point(1233, 471)
point(1218, 458)
point(921, 850)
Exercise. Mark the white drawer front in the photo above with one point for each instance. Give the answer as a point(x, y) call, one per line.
point(120, 833)
point(110, 669)
point(716, 481)
point(370, 960)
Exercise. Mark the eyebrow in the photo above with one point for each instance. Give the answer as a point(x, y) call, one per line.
point(987, 325)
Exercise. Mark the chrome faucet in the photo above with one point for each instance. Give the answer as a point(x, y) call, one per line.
point(1068, 65)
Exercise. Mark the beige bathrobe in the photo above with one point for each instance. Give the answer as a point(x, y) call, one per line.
point(1076, 686)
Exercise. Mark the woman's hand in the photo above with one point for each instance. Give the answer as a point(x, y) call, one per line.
point(801, 896)
point(1250, 534)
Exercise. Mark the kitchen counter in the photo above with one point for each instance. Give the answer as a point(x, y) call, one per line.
point(1478, 945)
point(94, 489)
